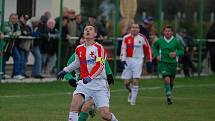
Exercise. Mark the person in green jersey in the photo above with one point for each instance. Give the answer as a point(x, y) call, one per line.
point(88, 106)
point(166, 50)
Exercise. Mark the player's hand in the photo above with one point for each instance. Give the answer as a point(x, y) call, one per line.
point(61, 75)
point(86, 80)
point(124, 64)
point(72, 82)
point(110, 79)
point(172, 54)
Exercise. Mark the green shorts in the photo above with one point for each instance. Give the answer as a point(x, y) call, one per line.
point(167, 69)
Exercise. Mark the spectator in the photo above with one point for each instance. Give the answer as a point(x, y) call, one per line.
point(79, 25)
point(24, 44)
point(12, 29)
point(50, 48)
point(33, 24)
point(1, 35)
point(72, 29)
point(187, 58)
point(65, 47)
point(144, 28)
point(102, 29)
point(211, 45)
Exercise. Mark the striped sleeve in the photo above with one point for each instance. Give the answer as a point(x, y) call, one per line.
point(123, 50)
point(147, 49)
point(74, 65)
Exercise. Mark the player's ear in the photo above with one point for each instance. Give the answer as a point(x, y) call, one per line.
point(95, 34)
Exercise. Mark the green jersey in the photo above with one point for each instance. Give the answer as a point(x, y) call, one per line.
point(69, 76)
point(163, 48)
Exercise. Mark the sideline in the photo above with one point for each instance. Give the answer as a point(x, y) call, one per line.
point(112, 91)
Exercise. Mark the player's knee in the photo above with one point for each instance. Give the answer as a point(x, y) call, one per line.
point(106, 116)
point(126, 83)
point(74, 108)
point(135, 82)
point(85, 107)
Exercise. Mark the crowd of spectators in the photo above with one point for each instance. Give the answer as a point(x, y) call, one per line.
point(44, 42)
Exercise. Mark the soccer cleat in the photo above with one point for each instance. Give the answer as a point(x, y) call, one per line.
point(129, 97)
point(132, 103)
point(169, 101)
point(92, 111)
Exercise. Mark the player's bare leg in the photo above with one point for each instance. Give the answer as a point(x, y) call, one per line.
point(85, 109)
point(168, 89)
point(134, 91)
point(76, 103)
point(127, 84)
point(106, 114)
point(172, 80)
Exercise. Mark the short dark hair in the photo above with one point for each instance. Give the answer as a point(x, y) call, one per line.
point(94, 26)
point(169, 27)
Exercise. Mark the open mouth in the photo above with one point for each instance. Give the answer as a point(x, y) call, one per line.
point(87, 34)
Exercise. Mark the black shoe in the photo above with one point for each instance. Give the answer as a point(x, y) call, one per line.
point(25, 75)
point(38, 76)
point(169, 101)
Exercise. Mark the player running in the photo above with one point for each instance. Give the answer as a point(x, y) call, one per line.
point(134, 48)
point(90, 59)
point(166, 49)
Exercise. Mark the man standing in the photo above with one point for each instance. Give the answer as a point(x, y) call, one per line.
point(134, 48)
point(165, 50)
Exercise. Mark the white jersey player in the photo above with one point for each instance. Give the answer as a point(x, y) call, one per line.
point(134, 48)
point(90, 59)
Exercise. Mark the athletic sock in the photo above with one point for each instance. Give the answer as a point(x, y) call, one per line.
point(171, 86)
point(113, 118)
point(134, 92)
point(168, 90)
point(73, 116)
point(83, 116)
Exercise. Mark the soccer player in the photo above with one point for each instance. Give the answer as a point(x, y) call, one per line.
point(134, 48)
point(165, 50)
point(90, 58)
point(72, 78)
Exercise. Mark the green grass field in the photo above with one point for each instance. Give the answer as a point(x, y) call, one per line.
point(194, 100)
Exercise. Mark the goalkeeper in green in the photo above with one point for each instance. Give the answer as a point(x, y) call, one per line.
point(166, 50)
point(73, 77)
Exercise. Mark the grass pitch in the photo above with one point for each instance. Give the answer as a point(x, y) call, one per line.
point(194, 100)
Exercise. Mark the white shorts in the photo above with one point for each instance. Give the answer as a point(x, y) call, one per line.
point(133, 68)
point(100, 97)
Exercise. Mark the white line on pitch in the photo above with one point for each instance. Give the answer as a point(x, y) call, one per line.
point(117, 90)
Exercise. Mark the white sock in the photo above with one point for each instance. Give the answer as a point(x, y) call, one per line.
point(73, 116)
point(113, 118)
point(134, 92)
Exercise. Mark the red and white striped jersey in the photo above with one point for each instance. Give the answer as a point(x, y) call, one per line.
point(90, 60)
point(135, 47)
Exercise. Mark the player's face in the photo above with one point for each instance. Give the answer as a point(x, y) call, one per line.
point(168, 33)
point(135, 29)
point(89, 32)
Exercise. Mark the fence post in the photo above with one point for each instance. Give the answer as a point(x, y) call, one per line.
point(60, 39)
point(1, 41)
point(116, 31)
point(201, 15)
point(160, 17)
